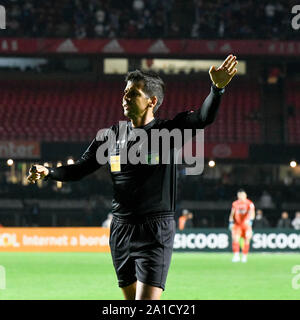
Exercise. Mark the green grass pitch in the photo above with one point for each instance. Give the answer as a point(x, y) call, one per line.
point(50, 276)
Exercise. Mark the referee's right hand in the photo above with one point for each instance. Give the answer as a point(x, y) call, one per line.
point(37, 172)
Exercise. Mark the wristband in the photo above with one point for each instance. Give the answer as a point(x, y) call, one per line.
point(218, 90)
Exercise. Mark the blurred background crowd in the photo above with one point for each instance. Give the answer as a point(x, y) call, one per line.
point(56, 101)
point(196, 19)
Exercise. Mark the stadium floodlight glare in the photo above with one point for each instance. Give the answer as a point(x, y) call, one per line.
point(293, 164)
point(211, 163)
point(59, 184)
point(59, 164)
point(10, 162)
point(70, 161)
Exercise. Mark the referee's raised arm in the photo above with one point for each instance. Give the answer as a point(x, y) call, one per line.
point(82, 167)
point(220, 78)
point(206, 114)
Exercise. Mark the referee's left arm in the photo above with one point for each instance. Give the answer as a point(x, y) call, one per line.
point(205, 115)
point(220, 78)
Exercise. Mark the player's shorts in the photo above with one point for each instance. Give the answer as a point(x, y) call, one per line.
point(141, 248)
point(242, 231)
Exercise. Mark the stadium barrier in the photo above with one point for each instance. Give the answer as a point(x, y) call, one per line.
point(96, 239)
point(87, 239)
point(219, 240)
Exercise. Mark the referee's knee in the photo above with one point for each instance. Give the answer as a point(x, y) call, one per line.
point(147, 292)
point(129, 291)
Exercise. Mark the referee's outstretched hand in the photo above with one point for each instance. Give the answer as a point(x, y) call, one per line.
point(37, 172)
point(223, 75)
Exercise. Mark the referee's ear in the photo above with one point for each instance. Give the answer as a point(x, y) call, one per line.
point(152, 102)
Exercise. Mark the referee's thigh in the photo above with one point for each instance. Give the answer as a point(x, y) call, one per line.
point(119, 242)
point(142, 251)
point(152, 247)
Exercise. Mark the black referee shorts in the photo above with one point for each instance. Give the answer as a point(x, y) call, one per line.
point(141, 248)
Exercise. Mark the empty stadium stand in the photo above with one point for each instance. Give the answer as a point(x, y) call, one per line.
point(75, 111)
point(292, 96)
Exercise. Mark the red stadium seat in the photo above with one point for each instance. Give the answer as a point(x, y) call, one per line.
point(292, 97)
point(75, 111)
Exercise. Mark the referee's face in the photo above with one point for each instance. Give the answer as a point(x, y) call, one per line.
point(135, 101)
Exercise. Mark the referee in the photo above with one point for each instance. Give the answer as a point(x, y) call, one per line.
point(143, 206)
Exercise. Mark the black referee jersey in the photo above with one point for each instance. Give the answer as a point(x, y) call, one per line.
point(141, 189)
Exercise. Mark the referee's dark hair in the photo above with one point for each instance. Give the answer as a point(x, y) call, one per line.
point(153, 84)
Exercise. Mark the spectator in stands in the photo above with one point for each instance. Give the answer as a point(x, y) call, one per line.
point(285, 221)
point(296, 221)
point(185, 220)
point(288, 178)
point(206, 20)
point(189, 222)
point(174, 31)
point(138, 6)
point(274, 75)
point(107, 222)
point(266, 200)
point(260, 221)
point(270, 11)
point(182, 219)
point(100, 19)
